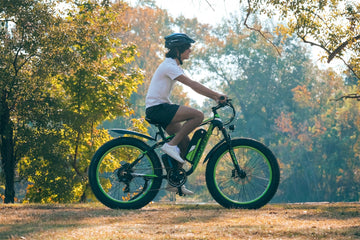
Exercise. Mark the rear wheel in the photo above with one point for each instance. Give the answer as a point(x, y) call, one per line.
point(252, 188)
point(118, 184)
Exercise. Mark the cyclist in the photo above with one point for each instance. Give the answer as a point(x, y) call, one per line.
point(160, 109)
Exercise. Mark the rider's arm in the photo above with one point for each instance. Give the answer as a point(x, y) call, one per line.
point(199, 88)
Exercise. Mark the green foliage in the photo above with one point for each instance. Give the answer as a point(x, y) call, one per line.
point(23, 83)
point(63, 77)
point(51, 170)
point(95, 85)
point(332, 26)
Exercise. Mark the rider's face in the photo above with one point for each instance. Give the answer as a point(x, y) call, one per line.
point(186, 54)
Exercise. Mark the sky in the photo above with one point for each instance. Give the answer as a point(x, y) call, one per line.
point(206, 11)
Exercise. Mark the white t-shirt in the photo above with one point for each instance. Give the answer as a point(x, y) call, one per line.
point(163, 82)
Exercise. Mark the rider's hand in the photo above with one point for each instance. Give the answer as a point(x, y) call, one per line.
point(222, 99)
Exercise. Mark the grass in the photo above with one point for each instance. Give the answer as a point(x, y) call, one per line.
point(180, 221)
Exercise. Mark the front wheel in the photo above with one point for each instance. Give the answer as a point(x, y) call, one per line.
point(125, 174)
point(257, 181)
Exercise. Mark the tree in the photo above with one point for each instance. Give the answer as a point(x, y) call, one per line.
point(23, 33)
point(95, 84)
point(61, 78)
point(319, 142)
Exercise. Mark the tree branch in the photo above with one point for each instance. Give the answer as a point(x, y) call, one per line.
point(210, 5)
point(313, 43)
point(341, 47)
point(351, 95)
point(249, 11)
point(332, 54)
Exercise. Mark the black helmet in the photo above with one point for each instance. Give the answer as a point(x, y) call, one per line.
point(177, 39)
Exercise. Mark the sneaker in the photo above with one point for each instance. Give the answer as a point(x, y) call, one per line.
point(184, 190)
point(172, 151)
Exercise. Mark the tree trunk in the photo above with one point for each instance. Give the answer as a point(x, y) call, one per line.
point(7, 151)
point(83, 197)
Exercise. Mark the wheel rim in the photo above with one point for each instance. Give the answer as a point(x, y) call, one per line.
point(243, 190)
point(117, 182)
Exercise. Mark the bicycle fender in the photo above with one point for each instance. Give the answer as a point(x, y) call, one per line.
point(124, 131)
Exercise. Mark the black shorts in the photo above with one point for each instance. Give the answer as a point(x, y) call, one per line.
point(162, 114)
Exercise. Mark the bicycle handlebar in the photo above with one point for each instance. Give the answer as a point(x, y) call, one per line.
point(224, 104)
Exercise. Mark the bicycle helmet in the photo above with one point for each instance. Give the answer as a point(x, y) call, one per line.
point(177, 39)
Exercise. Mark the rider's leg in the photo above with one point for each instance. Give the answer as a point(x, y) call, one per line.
point(184, 143)
point(193, 119)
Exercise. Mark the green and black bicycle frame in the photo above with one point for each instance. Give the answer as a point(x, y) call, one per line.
point(214, 122)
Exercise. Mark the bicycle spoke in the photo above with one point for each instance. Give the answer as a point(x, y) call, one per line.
point(234, 188)
point(125, 173)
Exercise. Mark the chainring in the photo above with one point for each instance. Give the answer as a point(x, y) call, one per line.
point(176, 177)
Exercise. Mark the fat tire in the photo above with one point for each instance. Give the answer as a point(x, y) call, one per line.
point(225, 198)
point(102, 195)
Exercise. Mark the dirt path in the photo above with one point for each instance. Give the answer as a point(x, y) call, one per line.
point(180, 221)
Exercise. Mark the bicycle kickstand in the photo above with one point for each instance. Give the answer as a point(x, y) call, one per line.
point(180, 192)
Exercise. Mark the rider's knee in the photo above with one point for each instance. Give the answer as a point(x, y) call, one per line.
point(199, 116)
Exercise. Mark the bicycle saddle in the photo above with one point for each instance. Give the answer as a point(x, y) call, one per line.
point(152, 122)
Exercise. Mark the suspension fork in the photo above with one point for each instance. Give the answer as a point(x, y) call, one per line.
point(241, 173)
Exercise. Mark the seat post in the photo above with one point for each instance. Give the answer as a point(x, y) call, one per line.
point(160, 132)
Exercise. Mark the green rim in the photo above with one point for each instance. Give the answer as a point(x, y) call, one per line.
point(267, 187)
point(98, 179)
